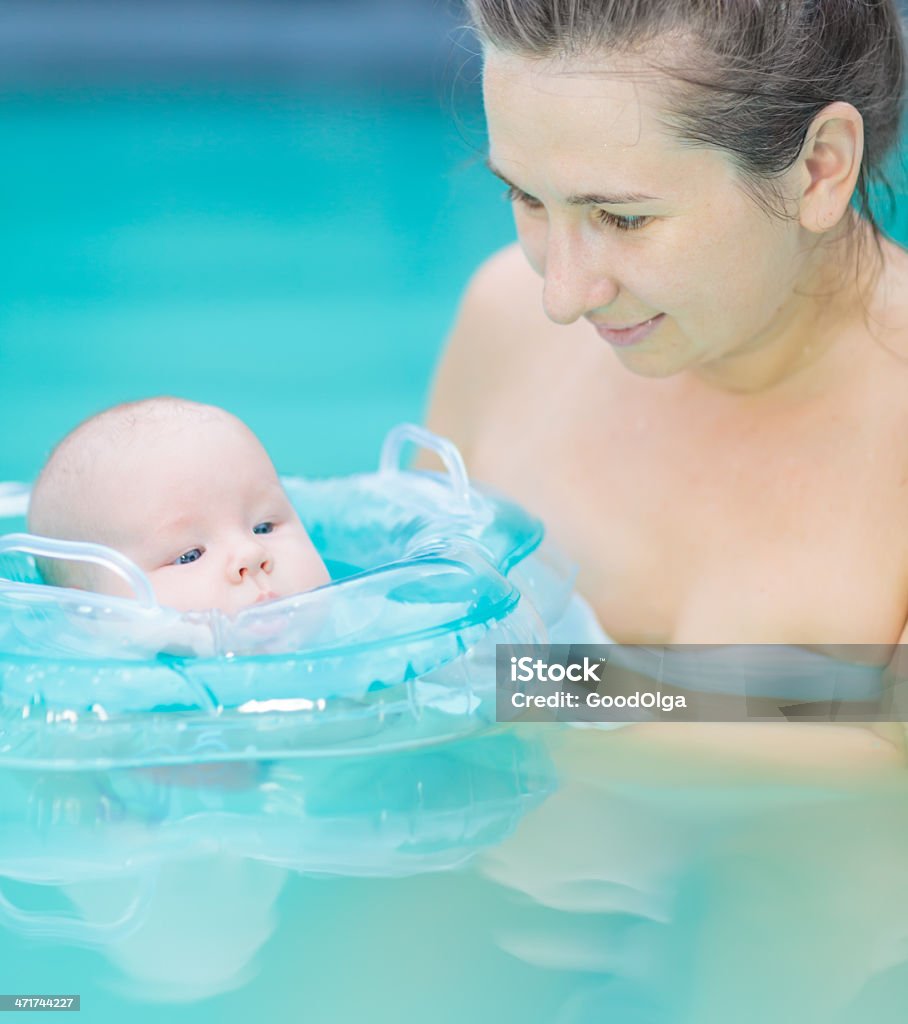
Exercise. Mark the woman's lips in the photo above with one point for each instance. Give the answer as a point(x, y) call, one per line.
point(624, 336)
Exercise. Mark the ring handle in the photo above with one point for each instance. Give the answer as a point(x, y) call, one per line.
point(81, 551)
point(392, 450)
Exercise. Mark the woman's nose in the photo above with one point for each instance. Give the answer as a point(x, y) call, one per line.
point(249, 559)
point(576, 280)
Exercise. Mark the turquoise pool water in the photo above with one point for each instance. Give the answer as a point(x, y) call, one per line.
point(597, 877)
point(298, 260)
point(295, 258)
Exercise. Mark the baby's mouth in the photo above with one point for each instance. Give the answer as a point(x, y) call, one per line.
point(266, 595)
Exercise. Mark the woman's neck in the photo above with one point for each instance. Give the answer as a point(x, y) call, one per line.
point(846, 290)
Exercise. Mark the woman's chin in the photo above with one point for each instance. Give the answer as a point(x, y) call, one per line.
point(652, 364)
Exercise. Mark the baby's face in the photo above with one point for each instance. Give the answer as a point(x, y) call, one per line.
point(201, 510)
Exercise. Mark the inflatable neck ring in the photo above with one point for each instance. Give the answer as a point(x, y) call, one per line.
point(428, 572)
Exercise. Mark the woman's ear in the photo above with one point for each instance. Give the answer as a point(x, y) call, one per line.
point(830, 163)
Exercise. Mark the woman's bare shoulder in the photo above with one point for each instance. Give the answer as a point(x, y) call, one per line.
point(503, 292)
point(508, 267)
point(500, 319)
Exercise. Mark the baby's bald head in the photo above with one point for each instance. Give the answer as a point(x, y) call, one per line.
point(188, 493)
point(97, 467)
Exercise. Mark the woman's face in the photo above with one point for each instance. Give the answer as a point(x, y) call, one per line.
point(570, 138)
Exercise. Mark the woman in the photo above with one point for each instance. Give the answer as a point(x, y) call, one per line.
point(709, 406)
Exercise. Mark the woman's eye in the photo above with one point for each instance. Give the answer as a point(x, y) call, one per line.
point(261, 528)
point(514, 195)
point(192, 555)
point(622, 223)
point(632, 223)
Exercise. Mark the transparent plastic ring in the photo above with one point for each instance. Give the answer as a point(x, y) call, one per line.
point(80, 551)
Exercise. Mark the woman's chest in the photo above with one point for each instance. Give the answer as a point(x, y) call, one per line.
point(716, 531)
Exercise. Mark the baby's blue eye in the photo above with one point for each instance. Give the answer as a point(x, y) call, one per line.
point(263, 528)
point(189, 556)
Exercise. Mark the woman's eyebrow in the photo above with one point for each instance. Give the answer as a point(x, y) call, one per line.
point(586, 198)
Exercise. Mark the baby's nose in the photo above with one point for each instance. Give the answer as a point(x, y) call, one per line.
point(250, 560)
point(249, 570)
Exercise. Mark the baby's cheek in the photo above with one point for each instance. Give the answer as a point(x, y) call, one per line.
point(186, 591)
point(320, 573)
point(162, 587)
point(315, 571)
point(309, 569)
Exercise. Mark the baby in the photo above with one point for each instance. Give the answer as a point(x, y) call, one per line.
point(189, 494)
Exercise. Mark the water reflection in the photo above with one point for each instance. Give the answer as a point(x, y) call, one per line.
point(542, 875)
point(173, 873)
point(717, 873)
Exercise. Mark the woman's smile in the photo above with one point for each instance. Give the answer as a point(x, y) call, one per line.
point(624, 337)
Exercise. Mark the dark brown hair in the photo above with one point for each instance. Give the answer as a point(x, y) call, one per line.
point(757, 74)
